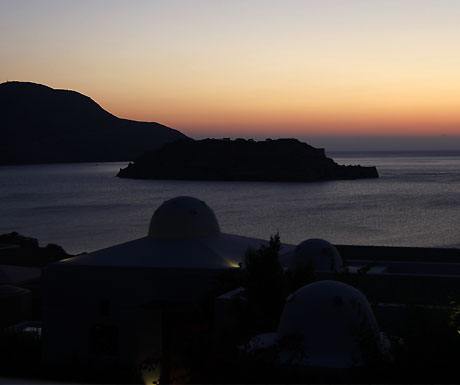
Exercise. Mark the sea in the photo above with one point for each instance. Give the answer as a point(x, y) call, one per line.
point(85, 207)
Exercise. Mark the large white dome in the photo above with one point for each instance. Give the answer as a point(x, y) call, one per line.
point(334, 322)
point(183, 217)
point(320, 254)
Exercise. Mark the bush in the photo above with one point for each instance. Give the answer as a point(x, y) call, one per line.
point(265, 285)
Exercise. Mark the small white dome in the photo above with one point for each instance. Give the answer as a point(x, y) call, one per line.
point(183, 217)
point(334, 322)
point(322, 255)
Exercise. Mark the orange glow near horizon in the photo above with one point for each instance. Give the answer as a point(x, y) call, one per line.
point(407, 114)
point(256, 67)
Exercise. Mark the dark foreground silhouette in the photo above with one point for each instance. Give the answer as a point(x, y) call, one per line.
point(43, 125)
point(18, 250)
point(424, 335)
point(286, 160)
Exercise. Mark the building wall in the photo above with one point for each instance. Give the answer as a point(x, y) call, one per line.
point(99, 316)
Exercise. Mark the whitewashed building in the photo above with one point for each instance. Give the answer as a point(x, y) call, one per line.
point(108, 307)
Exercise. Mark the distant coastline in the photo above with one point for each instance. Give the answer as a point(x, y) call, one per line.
point(393, 153)
point(45, 125)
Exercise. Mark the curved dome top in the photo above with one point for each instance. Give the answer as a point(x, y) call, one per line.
point(335, 322)
point(183, 217)
point(320, 253)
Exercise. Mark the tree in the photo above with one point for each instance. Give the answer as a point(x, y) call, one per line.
point(265, 284)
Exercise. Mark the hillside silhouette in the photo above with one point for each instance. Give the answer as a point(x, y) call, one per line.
point(287, 160)
point(40, 124)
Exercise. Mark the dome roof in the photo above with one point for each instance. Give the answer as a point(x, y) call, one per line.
point(335, 322)
point(8, 290)
point(320, 253)
point(18, 275)
point(183, 217)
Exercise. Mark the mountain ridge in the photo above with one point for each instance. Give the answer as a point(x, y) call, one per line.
point(40, 124)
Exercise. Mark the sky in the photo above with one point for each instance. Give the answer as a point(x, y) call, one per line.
point(313, 69)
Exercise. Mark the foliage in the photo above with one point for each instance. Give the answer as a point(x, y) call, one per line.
point(454, 316)
point(428, 352)
point(265, 284)
point(428, 349)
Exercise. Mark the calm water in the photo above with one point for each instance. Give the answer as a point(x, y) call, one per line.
point(84, 207)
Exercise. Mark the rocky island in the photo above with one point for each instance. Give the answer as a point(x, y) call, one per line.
point(286, 160)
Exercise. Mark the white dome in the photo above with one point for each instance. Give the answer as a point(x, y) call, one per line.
point(322, 255)
point(335, 321)
point(183, 217)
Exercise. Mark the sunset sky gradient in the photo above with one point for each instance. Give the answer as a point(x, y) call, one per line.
point(249, 67)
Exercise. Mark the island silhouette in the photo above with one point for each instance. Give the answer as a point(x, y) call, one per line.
point(285, 160)
point(45, 125)
point(40, 124)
